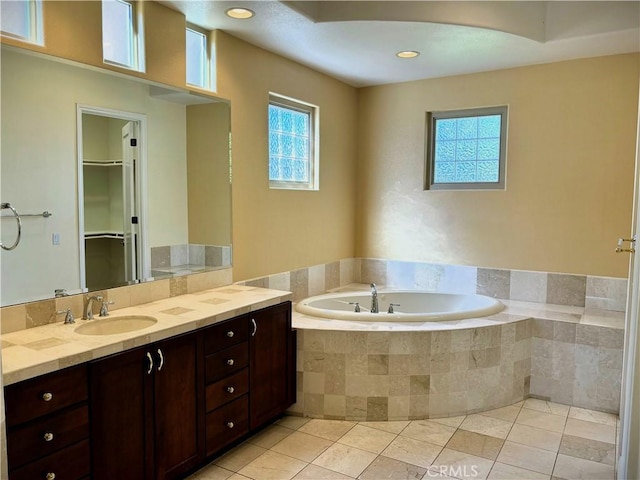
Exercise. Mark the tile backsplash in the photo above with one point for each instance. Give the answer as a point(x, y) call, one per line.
point(34, 314)
point(563, 289)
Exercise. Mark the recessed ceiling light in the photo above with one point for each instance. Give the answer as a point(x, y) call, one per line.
point(407, 54)
point(240, 13)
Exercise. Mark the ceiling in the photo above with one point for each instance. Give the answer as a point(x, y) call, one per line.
point(356, 41)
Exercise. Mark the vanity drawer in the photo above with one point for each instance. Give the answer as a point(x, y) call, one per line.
point(228, 389)
point(46, 394)
point(71, 463)
point(225, 334)
point(227, 424)
point(47, 435)
point(227, 361)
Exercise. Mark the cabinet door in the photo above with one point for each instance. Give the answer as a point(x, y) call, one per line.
point(121, 423)
point(270, 372)
point(179, 405)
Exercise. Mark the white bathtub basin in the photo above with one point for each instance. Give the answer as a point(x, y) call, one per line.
point(413, 306)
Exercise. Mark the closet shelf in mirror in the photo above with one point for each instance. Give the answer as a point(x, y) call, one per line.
point(101, 163)
point(105, 234)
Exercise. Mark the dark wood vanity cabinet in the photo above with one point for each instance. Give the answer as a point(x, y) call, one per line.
point(272, 353)
point(145, 411)
point(48, 426)
point(157, 411)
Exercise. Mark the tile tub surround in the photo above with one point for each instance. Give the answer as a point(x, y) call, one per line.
point(563, 443)
point(396, 375)
point(602, 293)
point(47, 348)
point(382, 371)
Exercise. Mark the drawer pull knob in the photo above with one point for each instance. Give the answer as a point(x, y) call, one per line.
point(47, 396)
point(230, 425)
point(230, 362)
point(50, 476)
point(48, 437)
point(231, 389)
point(230, 333)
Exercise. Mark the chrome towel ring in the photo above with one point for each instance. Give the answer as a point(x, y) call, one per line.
point(18, 220)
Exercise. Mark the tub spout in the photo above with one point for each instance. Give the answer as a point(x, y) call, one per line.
point(374, 298)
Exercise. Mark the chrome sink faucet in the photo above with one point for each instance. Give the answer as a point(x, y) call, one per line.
point(88, 308)
point(374, 298)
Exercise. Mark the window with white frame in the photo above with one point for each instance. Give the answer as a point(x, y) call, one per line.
point(120, 39)
point(22, 20)
point(293, 144)
point(466, 149)
point(197, 59)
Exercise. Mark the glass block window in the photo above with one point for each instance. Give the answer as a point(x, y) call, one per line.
point(119, 36)
point(197, 59)
point(22, 20)
point(466, 149)
point(293, 159)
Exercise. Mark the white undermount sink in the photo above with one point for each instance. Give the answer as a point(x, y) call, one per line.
point(116, 324)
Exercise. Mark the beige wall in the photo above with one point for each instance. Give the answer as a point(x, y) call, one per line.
point(73, 30)
point(280, 230)
point(570, 167)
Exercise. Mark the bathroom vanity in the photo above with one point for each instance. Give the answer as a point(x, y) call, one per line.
point(157, 410)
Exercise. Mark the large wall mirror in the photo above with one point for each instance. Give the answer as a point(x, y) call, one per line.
point(64, 152)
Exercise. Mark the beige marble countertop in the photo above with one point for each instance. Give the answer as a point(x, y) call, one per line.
point(36, 351)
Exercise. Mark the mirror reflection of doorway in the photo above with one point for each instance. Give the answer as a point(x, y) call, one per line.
point(109, 147)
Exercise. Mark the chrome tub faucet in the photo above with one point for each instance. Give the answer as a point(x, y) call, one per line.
point(374, 298)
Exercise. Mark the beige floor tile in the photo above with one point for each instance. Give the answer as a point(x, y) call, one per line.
point(389, 468)
point(535, 437)
point(272, 466)
point(345, 459)
point(529, 458)
point(314, 472)
point(302, 446)
point(508, 413)
point(502, 471)
point(329, 429)
point(476, 444)
point(240, 456)
point(415, 452)
point(591, 430)
point(391, 427)
point(211, 472)
point(588, 449)
point(546, 407)
point(429, 431)
point(518, 404)
point(450, 421)
point(237, 476)
point(268, 437)
point(461, 465)
point(572, 468)
point(546, 421)
point(593, 416)
point(493, 427)
point(292, 422)
point(368, 439)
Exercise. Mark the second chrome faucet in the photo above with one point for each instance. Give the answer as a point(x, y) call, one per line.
point(104, 307)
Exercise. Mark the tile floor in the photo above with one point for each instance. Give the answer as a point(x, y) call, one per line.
point(532, 439)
